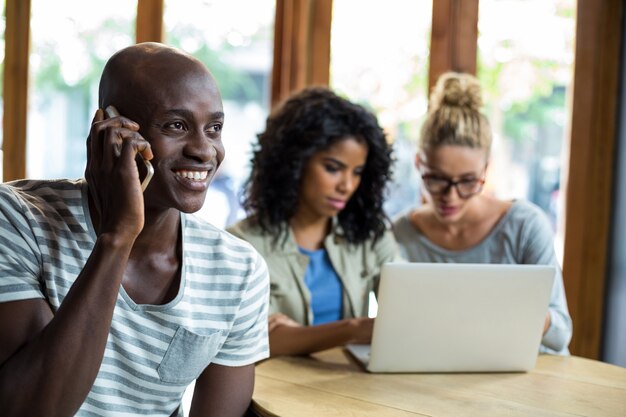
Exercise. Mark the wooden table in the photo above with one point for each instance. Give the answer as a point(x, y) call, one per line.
point(331, 384)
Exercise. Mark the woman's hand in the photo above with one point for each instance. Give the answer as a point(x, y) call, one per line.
point(287, 337)
point(113, 176)
point(361, 329)
point(279, 319)
point(546, 323)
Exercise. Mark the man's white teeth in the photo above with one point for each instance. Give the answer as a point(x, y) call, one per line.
point(193, 175)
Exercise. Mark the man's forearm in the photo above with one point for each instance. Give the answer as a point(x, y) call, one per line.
point(223, 391)
point(58, 365)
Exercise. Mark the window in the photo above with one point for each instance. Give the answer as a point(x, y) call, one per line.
point(387, 71)
point(70, 44)
point(527, 77)
point(234, 39)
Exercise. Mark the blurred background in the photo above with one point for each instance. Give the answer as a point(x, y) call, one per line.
point(526, 77)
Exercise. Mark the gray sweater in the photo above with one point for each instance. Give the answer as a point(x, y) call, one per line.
point(522, 236)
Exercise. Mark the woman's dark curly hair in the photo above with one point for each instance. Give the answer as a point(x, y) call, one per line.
point(308, 122)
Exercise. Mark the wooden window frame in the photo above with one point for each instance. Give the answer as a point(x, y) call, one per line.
point(15, 87)
point(589, 196)
point(301, 46)
point(454, 38)
point(149, 26)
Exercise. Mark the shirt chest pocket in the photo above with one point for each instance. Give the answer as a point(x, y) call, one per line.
point(187, 356)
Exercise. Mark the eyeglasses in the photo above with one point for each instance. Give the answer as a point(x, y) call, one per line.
point(465, 188)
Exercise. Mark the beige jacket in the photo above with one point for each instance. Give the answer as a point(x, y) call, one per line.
point(358, 267)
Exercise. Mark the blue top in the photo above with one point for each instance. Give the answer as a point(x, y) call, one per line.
point(324, 285)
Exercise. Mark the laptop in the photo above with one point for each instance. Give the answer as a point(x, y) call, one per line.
point(445, 317)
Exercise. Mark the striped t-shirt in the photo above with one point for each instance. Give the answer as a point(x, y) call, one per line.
point(153, 352)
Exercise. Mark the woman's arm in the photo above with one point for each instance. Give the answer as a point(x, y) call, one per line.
point(290, 338)
point(539, 249)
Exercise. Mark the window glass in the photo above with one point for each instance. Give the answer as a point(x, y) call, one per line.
point(234, 39)
point(379, 58)
point(70, 44)
point(527, 79)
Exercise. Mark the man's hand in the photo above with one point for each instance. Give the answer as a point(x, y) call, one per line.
point(113, 176)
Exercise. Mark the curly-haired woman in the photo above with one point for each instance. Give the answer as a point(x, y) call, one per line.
point(315, 205)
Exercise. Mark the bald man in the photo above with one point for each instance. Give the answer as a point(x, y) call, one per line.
point(113, 300)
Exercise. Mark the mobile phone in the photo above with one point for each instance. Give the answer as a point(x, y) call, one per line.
point(111, 111)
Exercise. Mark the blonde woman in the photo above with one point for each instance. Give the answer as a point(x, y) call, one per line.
point(458, 223)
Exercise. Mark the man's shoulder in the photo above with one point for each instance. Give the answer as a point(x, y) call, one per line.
point(28, 192)
point(202, 232)
point(35, 186)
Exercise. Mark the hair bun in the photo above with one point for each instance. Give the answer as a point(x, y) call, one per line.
point(455, 89)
